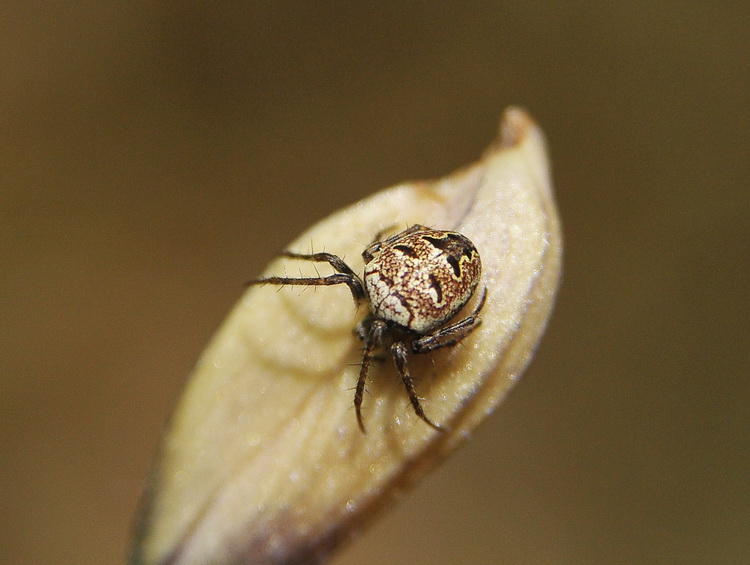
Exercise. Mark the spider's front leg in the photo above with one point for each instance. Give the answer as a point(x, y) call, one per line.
point(400, 355)
point(343, 275)
point(450, 335)
point(372, 331)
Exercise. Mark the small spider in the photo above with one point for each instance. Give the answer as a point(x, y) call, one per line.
point(414, 283)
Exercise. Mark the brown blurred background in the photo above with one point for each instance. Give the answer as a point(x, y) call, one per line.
point(155, 156)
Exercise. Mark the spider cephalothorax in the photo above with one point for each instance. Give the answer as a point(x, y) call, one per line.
point(414, 283)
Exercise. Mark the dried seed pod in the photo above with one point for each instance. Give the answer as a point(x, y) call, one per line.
point(264, 463)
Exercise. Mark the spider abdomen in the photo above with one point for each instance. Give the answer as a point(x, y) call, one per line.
point(420, 278)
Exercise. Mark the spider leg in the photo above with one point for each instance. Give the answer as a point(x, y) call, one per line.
point(343, 275)
point(377, 242)
point(334, 260)
point(452, 334)
point(373, 337)
point(400, 354)
point(380, 233)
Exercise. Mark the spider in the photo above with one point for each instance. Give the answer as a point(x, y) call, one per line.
point(414, 283)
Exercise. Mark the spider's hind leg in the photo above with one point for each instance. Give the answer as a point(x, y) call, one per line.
point(343, 274)
point(334, 260)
